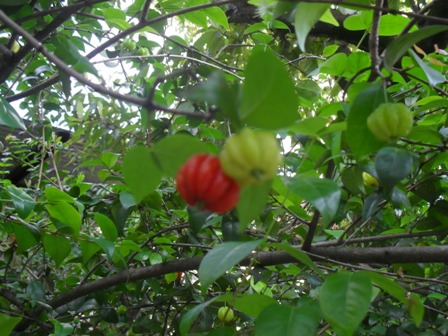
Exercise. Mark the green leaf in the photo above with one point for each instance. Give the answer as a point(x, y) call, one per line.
point(310, 126)
point(309, 90)
point(27, 236)
point(398, 47)
point(416, 308)
point(389, 285)
point(69, 53)
point(335, 65)
point(55, 195)
point(58, 247)
point(218, 16)
point(88, 249)
point(172, 152)
point(253, 199)
point(324, 194)
point(371, 206)
point(299, 255)
point(268, 96)
point(391, 25)
point(23, 203)
point(345, 300)
point(283, 320)
point(141, 172)
point(190, 316)
point(107, 226)
point(253, 304)
point(361, 21)
point(8, 322)
point(116, 18)
point(434, 77)
point(66, 214)
point(9, 116)
point(307, 14)
point(197, 219)
point(392, 165)
point(108, 248)
point(221, 258)
point(360, 139)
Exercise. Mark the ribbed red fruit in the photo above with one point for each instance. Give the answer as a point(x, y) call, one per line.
point(202, 183)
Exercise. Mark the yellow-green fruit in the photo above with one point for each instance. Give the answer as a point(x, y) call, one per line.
point(369, 180)
point(225, 314)
point(390, 121)
point(251, 157)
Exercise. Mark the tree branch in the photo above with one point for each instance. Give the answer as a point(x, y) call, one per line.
point(380, 255)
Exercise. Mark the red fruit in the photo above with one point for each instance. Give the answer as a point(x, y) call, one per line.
point(202, 183)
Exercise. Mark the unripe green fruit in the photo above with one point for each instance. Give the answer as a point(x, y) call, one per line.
point(129, 45)
point(225, 314)
point(251, 157)
point(143, 51)
point(369, 180)
point(390, 121)
point(122, 309)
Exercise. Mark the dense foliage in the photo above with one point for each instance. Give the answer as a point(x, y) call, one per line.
point(348, 238)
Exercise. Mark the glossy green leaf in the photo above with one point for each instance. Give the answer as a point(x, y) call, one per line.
point(268, 96)
point(141, 172)
point(361, 21)
point(391, 25)
point(53, 194)
point(88, 250)
point(398, 47)
point(434, 77)
point(9, 116)
point(253, 199)
point(67, 215)
point(284, 320)
point(172, 152)
point(58, 247)
point(27, 236)
point(223, 257)
point(253, 304)
point(392, 165)
point(23, 203)
point(360, 139)
point(345, 300)
point(107, 226)
point(307, 14)
point(8, 323)
point(324, 194)
point(335, 65)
